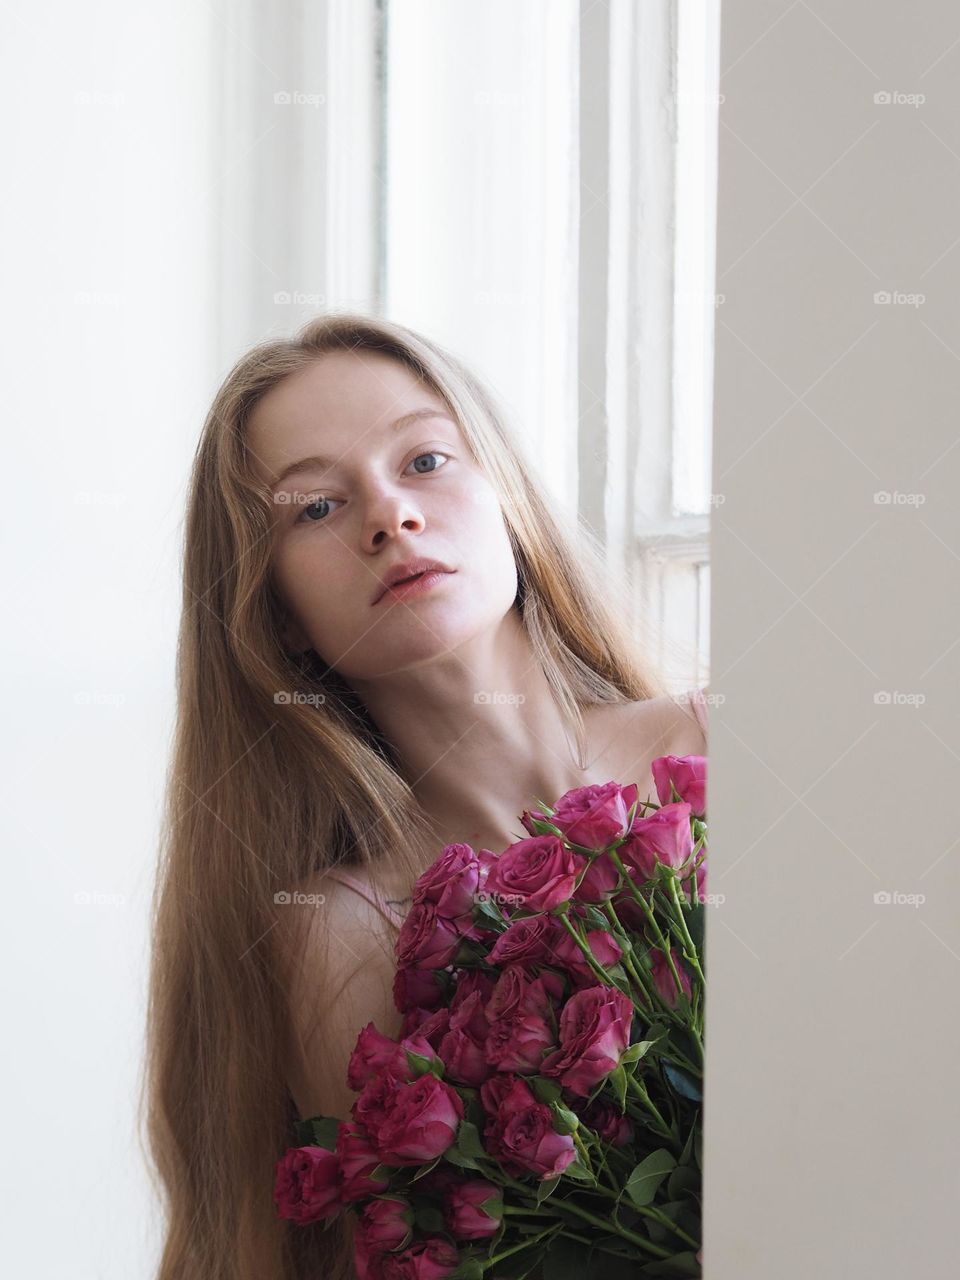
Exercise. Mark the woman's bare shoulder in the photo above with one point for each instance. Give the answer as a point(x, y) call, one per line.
point(340, 979)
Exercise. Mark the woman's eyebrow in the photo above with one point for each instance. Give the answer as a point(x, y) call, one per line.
point(316, 462)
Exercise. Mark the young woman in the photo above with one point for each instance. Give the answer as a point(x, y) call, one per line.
point(390, 641)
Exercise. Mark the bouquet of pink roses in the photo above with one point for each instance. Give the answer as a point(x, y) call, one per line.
point(543, 1106)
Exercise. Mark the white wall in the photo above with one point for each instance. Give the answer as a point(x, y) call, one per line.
point(107, 238)
point(832, 1110)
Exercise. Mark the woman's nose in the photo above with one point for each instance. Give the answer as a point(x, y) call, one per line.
point(387, 515)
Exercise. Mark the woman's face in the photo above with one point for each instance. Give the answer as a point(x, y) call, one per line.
point(367, 495)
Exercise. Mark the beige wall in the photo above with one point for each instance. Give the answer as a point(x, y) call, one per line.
point(833, 1124)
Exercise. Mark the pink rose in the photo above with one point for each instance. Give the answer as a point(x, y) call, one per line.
point(418, 988)
point(663, 977)
point(431, 1259)
point(606, 950)
point(472, 982)
point(386, 1223)
point(594, 817)
point(451, 882)
point(373, 1103)
point(426, 940)
point(525, 941)
point(421, 1122)
point(474, 1209)
point(594, 1032)
point(461, 1049)
point(537, 874)
point(607, 1121)
point(663, 837)
point(521, 1134)
point(432, 1026)
point(688, 774)
point(599, 880)
point(307, 1185)
point(374, 1051)
point(464, 1057)
point(519, 1041)
point(514, 990)
point(357, 1162)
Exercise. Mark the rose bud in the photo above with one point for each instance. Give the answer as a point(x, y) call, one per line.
point(474, 1209)
point(688, 774)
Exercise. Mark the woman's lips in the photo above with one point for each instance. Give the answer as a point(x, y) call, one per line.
point(413, 586)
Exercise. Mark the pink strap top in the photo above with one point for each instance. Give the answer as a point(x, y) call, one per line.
point(370, 893)
point(698, 702)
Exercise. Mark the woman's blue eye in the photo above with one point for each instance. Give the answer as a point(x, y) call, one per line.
point(324, 503)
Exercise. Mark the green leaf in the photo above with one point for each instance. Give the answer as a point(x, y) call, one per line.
point(594, 918)
point(547, 1187)
point(687, 1151)
point(468, 1269)
point(618, 1079)
point(683, 1179)
point(683, 1083)
point(468, 1139)
point(681, 1264)
point(680, 1212)
point(646, 1178)
point(576, 1169)
point(637, 1051)
point(455, 1156)
point(490, 912)
point(544, 1090)
point(318, 1131)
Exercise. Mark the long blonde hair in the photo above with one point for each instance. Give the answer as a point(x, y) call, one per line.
point(263, 794)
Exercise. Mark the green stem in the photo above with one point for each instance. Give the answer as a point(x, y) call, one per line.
point(591, 959)
point(524, 1244)
point(640, 1090)
point(651, 920)
point(691, 952)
